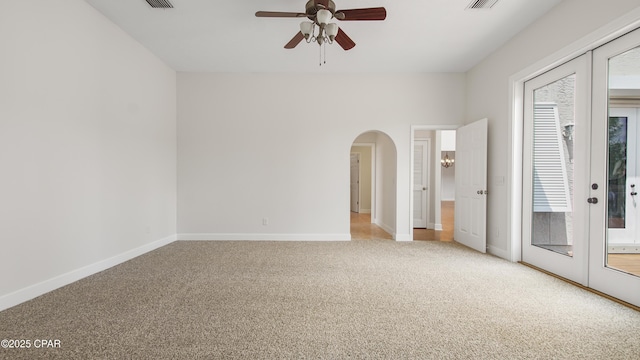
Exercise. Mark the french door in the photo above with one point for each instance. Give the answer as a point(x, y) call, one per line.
point(555, 169)
point(580, 169)
point(614, 262)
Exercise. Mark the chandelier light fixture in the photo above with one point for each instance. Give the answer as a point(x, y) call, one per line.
point(326, 31)
point(446, 162)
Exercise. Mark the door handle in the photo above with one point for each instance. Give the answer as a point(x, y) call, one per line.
point(592, 200)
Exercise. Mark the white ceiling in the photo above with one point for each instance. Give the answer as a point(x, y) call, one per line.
point(417, 35)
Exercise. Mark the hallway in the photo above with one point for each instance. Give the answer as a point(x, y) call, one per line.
point(447, 214)
point(363, 229)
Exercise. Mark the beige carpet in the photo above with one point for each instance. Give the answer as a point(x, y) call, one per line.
point(330, 300)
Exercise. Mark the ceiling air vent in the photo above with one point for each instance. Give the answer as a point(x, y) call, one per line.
point(480, 4)
point(160, 4)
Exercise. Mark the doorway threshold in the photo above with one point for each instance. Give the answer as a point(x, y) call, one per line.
point(609, 297)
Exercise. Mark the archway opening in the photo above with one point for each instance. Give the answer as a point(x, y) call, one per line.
point(373, 171)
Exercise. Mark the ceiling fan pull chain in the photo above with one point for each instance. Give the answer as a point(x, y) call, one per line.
point(325, 53)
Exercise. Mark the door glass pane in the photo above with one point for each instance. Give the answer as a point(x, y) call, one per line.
point(553, 137)
point(617, 172)
point(623, 245)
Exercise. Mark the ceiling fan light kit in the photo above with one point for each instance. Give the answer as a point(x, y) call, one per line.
point(332, 31)
point(323, 16)
point(320, 13)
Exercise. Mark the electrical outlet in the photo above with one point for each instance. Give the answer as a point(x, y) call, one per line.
point(265, 221)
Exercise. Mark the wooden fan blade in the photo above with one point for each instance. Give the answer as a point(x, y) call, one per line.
point(344, 41)
point(295, 41)
point(378, 13)
point(279, 14)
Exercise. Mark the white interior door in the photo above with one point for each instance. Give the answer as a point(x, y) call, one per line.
point(420, 183)
point(616, 83)
point(355, 182)
point(555, 171)
point(471, 185)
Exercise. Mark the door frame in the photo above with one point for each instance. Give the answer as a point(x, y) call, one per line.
point(605, 34)
point(436, 170)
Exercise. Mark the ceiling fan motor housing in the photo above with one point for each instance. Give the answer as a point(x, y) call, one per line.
point(312, 8)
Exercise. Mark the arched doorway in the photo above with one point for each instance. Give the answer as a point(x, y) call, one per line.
point(373, 169)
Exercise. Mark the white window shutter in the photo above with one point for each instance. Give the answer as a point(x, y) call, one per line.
point(550, 184)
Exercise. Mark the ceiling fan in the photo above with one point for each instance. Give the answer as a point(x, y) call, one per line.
point(320, 12)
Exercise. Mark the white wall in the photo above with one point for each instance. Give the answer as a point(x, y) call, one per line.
point(488, 91)
point(386, 181)
point(87, 146)
point(254, 146)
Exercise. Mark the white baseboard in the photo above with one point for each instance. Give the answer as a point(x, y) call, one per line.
point(264, 237)
point(385, 227)
point(499, 252)
point(434, 226)
point(364, 211)
point(394, 235)
point(33, 291)
point(624, 249)
point(402, 237)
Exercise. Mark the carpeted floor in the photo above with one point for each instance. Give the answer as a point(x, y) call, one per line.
point(330, 300)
